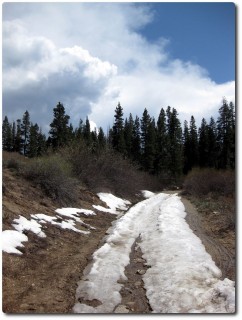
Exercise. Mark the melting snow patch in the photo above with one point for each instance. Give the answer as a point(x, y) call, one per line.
point(73, 212)
point(147, 194)
point(22, 224)
point(114, 203)
point(12, 239)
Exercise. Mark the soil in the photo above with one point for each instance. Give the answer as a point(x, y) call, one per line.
point(44, 278)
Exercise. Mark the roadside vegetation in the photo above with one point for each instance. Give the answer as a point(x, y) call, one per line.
point(135, 154)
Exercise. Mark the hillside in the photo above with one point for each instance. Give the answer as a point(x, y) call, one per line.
point(44, 278)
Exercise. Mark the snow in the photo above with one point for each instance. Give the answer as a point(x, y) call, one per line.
point(12, 239)
point(22, 224)
point(147, 194)
point(114, 203)
point(73, 212)
point(182, 277)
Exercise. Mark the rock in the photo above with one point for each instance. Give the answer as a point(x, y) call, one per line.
point(141, 272)
point(121, 309)
point(139, 260)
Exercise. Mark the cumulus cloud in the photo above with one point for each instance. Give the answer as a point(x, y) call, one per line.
point(91, 56)
point(37, 74)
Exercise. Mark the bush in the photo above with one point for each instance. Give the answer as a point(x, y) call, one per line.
point(204, 181)
point(108, 171)
point(13, 164)
point(53, 175)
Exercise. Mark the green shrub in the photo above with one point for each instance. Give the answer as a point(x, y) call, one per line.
point(53, 175)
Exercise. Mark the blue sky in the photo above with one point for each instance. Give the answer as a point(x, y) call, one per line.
point(203, 33)
point(90, 56)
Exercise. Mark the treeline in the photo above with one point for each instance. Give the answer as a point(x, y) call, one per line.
point(160, 147)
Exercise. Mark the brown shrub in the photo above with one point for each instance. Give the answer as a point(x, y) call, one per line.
point(53, 175)
point(204, 181)
point(108, 171)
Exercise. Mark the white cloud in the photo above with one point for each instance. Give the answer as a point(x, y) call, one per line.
point(90, 56)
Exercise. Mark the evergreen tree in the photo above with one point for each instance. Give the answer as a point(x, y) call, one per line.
point(193, 143)
point(101, 139)
point(18, 138)
point(186, 149)
point(212, 144)
point(13, 136)
point(7, 139)
point(25, 128)
point(42, 146)
point(232, 143)
point(136, 141)
point(117, 132)
point(59, 132)
point(225, 135)
point(203, 145)
point(148, 137)
point(33, 141)
point(87, 132)
point(161, 145)
point(175, 156)
point(128, 132)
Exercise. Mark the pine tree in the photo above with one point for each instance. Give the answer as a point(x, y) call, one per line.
point(136, 141)
point(128, 132)
point(193, 143)
point(25, 128)
point(186, 149)
point(225, 135)
point(87, 132)
point(42, 146)
point(7, 140)
point(212, 144)
point(117, 133)
point(203, 144)
point(101, 139)
point(148, 140)
point(175, 155)
point(161, 145)
point(18, 138)
point(33, 141)
point(59, 132)
point(13, 136)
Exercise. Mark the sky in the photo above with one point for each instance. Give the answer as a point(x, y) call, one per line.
point(90, 56)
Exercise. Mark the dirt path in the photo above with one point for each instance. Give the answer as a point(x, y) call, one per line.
point(133, 292)
point(220, 248)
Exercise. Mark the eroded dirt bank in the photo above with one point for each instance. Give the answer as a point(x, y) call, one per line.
point(218, 240)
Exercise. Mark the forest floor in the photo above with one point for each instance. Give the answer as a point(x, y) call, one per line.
point(44, 278)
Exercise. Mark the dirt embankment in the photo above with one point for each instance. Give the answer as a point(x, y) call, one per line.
point(217, 236)
point(44, 278)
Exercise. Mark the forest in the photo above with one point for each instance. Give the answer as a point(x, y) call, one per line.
point(161, 147)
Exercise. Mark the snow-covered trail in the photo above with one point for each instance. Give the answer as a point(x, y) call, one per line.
point(182, 277)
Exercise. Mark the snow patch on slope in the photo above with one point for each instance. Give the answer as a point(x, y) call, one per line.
point(114, 203)
point(12, 239)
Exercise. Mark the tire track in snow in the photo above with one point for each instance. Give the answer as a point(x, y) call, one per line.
point(183, 277)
